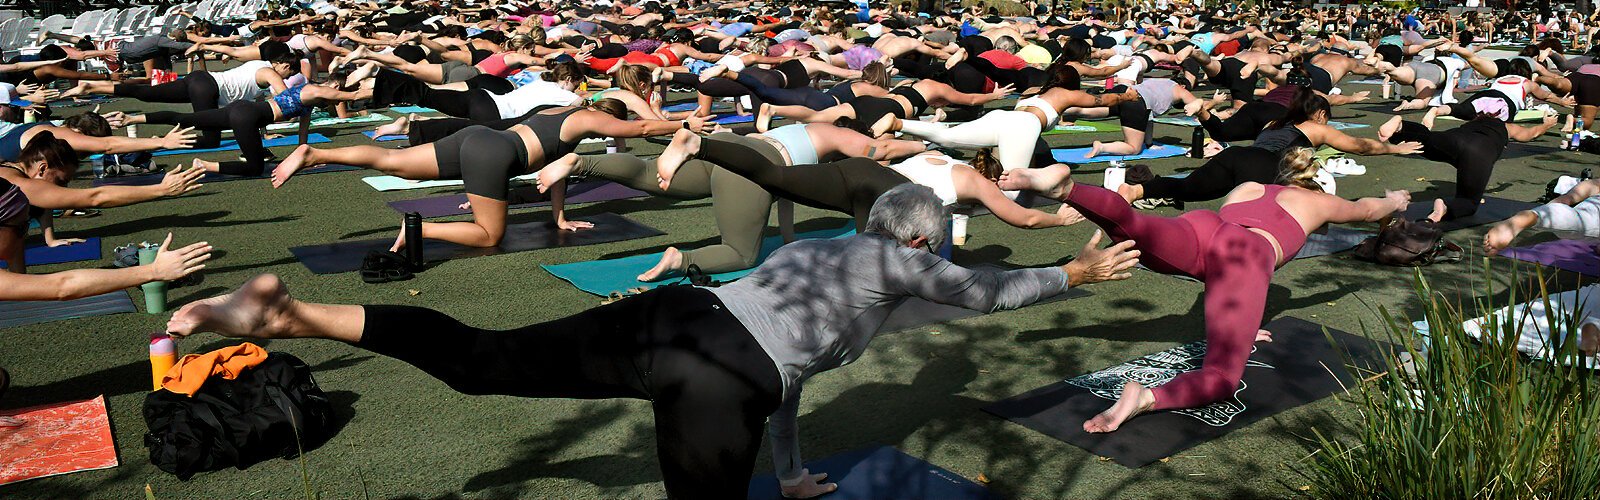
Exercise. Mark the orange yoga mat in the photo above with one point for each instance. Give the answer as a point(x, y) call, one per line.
point(56, 439)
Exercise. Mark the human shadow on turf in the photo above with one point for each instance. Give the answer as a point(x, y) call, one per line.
point(182, 221)
point(1177, 327)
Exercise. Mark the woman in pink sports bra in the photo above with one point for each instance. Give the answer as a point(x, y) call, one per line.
point(1234, 251)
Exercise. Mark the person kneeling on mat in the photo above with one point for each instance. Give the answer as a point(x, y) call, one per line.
point(716, 363)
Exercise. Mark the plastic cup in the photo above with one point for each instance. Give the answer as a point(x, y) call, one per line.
point(155, 292)
point(958, 229)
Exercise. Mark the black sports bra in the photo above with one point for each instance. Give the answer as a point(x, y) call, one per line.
point(547, 127)
point(918, 103)
point(1280, 140)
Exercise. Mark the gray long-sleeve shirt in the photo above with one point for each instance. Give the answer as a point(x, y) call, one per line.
point(144, 47)
point(814, 305)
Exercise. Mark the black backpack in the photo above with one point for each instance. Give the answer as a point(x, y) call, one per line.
point(274, 409)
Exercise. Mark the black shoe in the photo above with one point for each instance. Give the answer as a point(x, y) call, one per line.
point(383, 266)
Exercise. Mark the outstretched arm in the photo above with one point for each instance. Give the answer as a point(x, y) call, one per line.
point(78, 283)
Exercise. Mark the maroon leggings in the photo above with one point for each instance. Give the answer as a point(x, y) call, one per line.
point(1235, 263)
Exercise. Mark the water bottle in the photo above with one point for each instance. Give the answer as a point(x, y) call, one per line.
point(162, 356)
point(413, 229)
point(1577, 135)
point(1197, 143)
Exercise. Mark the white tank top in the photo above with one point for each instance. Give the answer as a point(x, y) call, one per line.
point(239, 84)
point(539, 93)
point(937, 177)
point(1512, 86)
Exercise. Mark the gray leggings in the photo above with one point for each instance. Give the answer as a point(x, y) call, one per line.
point(1583, 218)
point(741, 206)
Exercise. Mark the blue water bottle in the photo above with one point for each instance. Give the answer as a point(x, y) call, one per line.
point(1577, 135)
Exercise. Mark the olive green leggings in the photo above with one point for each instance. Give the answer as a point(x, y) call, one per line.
point(741, 206)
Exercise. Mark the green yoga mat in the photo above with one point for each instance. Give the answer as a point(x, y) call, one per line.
point(601, 277)
point(331, 121)
point(1083, 127)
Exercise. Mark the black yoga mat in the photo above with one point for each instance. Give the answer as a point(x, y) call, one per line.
point(346, 256)
point(1335, 240)
point(879, 473)
point(13, 314)
point(1526, 149)
point(1297, 367)
point(1491, 211)
point(155, 178)
point(581, 192)
point(1384, 108)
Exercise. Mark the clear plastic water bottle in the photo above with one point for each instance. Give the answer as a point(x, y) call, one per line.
point(1577, 135)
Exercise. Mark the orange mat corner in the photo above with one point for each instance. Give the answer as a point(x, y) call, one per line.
point(55, 439)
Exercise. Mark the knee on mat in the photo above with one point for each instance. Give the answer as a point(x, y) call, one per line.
point(1456, 208)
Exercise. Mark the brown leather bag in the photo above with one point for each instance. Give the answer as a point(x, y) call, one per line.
point(1402, 242)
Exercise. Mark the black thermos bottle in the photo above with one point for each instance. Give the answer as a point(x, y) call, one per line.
point(1197, 143)
point(413, 231)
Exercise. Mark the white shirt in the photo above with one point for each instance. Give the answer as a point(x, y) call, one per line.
point(239, 84)
point(540, 93)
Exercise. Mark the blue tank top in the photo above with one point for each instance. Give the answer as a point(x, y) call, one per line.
point(289, 102)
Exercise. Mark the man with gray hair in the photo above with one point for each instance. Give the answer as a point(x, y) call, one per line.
point(716, 364)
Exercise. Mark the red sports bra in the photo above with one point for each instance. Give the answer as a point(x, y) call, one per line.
point(1266, 214)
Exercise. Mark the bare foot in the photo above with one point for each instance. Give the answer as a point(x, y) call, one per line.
point(400, 126)
point(1411, 105)
point(887, 124)
point(80, 89)
point(671, 263)
point(1499, 237)
point(400, 241)
point(1135, 399)
point(1438, 210)
point(358, 54)
point(712, 72)
point(684, 145)
point(555, 171)
point(290, 165)
point(1389, 128)
point(1263, 336)
point(955, 58)
point(209, 166)
point(764, 118)
point(1094, 150)
point(1035, 179)
point(1429, 117)
point(1131, 192)
point(259, 309)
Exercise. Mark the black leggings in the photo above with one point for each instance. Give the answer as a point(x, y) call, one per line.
point(1225, 171)
point(1133, 114)
point(429, 131)
point(483, 158)
point(710, 384)
point(850, 185)
point(1241, 89)
point(802, 96)
point(245, 118)
point(794, 74)
point(199, 89)
point(1466, 110)
point(715, 87)
point(1246, 123)
point(1473, 148)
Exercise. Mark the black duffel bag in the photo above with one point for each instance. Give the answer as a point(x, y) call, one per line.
point(1403, 242)
point(274, 409)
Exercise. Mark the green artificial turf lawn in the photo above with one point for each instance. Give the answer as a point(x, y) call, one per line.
point(409, 435)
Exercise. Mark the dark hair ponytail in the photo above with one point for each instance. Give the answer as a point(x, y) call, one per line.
point(55, 153)
point(1305, 105)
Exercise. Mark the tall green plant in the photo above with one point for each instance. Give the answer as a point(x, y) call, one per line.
point(1473, 418)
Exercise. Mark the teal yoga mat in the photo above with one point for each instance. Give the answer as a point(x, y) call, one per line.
point(1190, 121)
point(411, 109)
point(1075, 155)
point(331, 121)
point(392, 183)
point(601, 277)
point(231, 145)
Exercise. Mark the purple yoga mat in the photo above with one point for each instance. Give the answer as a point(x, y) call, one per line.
point(1572, 255)
point(583, 192)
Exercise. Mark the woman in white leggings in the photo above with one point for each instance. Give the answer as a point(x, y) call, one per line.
point(1013, 133)
point(1576, 212)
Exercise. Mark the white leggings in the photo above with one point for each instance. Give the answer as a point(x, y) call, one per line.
point(1584, 218)
point(1012, 134)
point(1533, 320)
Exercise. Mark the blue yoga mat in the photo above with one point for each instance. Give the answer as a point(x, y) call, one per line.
point(682, 106)
point(733, 119)
point(89, 249)
point(373, 135)
point(601, 277)
point(411, 109)
point(232, 145)
point(14, 314)
point(877, 473)
point(1158, 150)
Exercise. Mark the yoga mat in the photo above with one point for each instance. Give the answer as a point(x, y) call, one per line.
point(232, 145)
point(582, 192)
point(153, 179)
point(331, 121)
point(411, 109)
point(1190, 121)
point(88, 249)
point(917, 313)
point(1367, 81)
point(1297, 367)
point(1491, 211)
point(1525, 149)
point(1387, 108)
point(1083, 127)
point(731, 119)
point(394, 137)
point(392, 183)
point(684, 106)
point(876, 474)
point(346, 256)
point(1571, 255)
point(18, 313)
point(56, 439)
point(601, 277)
point(1158, 150)
point(1337, 239)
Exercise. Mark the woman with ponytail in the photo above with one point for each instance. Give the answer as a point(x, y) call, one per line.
point(1234, 250)
point(35, 184)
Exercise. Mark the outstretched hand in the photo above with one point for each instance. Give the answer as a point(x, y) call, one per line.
point(1094, 265)
point(810, 485)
